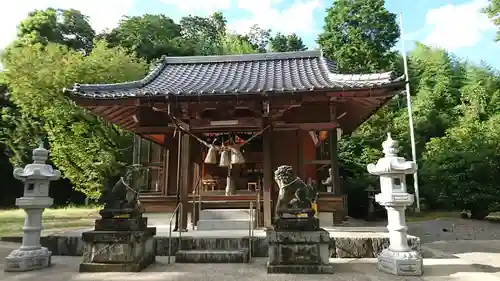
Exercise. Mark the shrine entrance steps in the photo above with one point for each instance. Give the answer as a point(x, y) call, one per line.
point(216, 250)
point(213, 256)
point(226, 219)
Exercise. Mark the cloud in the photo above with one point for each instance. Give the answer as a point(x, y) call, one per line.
point(457, 26)
point(103, 13)
point(199, 7)
point(295, 18)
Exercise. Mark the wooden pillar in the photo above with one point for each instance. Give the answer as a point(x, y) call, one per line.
point(172, 172)
point(185, 180)
point(300, 154)
point(166, 167)
point(334, 162)
point(268, 176)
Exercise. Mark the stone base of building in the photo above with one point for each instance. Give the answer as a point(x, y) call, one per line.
point(26, 260)
point(408, 263)
point(295, 251)
point(118, 250)
point(300, 269)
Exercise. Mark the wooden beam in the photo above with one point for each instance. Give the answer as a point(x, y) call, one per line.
point(154, 130)
point(268, 176)
point(185, 180)
point(125, 110)
point(87, 102)
point(322, 126)
point(126, 124)
point(204, 124)
point(380, 92)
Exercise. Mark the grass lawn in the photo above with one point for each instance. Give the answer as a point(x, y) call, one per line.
point(54, 220)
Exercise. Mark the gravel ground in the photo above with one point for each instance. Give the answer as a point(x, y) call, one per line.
point(448, 229)
point(454, 229)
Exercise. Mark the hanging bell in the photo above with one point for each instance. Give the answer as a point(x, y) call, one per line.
point(211, 155)
point(236, 156)
point(225, 158)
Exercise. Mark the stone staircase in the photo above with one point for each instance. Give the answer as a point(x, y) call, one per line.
point(213, 256)
point(218, 249)
point(225, 219)
point(215, 249)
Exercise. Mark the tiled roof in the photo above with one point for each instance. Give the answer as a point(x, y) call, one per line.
point(253, 73)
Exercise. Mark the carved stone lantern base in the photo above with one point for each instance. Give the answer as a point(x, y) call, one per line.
point(408, 263)
point(118, 245)
point(26, 260)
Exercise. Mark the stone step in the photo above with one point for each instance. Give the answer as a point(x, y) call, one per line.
point(223, 224)
point(225, 214)
point(212, 256)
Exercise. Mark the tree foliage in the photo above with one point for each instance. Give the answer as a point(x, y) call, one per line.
point(67, 27)
point(87, 150)
point(493, 12)
point(148, 36)
point(286, 43)
point(359, 34)
point(204, 34)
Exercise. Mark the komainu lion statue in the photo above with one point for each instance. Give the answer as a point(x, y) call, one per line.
point(295, 197)
point(122, 200)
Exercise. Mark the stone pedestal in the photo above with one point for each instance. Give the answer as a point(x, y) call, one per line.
point(398, 259)
point(118, 245)
point(298, 252)
point(405, 263)
point(28, 259)
point(36, 177)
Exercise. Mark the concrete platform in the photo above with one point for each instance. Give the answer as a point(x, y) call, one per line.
point(345, 242)
point(65, 269)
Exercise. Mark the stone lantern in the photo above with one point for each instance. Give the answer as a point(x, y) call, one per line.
point(371, 202)
point(36, 177)
point(398, 259)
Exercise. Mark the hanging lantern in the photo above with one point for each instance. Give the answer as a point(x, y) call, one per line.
point(323, 135)
point(211, 155)
point(236, 156)
point(225, 158)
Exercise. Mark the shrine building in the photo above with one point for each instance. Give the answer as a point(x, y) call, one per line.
point(275, 108)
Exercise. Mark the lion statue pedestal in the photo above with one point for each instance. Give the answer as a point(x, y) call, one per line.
point(121, 240)
point(296, 242)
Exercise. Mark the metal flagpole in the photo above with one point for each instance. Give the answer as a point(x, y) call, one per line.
point(410, 116)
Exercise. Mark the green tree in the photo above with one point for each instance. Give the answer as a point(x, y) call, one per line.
point(149, 37)
point(66, 27)
point(286, 43)
point(204, 35)
point(493, 12)
point(258, 37)
point(20, 131)
point(436, 79)
point(462, 168)
point(234, 44)
point(359, 34)
point(87, 150)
